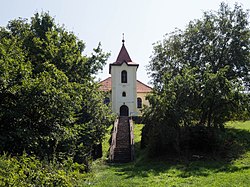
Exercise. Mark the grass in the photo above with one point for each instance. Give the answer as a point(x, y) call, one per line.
point(163, 172)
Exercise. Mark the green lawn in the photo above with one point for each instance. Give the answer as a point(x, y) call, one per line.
point(144, 172)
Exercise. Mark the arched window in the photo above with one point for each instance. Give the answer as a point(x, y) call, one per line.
point(139, 102)
point(124, 78)
point(106, 101)
point(123, 94)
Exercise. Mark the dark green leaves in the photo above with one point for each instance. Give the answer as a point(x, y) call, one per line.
point(201, 74)
point(50, 104)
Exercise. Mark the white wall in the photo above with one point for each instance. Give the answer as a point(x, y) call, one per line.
point(129, 87)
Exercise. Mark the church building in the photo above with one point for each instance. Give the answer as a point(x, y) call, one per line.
point(126, 94)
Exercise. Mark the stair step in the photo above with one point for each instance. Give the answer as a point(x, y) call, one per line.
point(122, 151)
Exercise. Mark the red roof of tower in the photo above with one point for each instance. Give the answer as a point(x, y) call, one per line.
point(123, 56)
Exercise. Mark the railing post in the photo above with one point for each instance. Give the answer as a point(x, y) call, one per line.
point(132, 139)
point(113, 141)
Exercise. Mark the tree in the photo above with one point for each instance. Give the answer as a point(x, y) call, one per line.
point(50, 105)
point(200, 76)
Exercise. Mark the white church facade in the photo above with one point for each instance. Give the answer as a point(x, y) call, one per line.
point(126, 94)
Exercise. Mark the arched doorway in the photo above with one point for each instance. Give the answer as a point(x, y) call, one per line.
point(124, 110)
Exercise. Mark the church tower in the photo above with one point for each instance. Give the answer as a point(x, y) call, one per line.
point(123, 83)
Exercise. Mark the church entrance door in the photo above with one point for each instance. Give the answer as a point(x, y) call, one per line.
point(124, 110)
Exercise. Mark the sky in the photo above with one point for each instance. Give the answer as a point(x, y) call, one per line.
point(143, 22)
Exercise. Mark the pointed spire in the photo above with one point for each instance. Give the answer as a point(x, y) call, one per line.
point(123, 55)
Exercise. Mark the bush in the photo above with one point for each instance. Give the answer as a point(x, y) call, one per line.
point(29, 171)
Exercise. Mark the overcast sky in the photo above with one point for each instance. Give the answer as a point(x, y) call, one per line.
point(143, 22)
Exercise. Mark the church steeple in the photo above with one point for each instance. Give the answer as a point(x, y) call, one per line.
point(123, 86)
point(123, 57)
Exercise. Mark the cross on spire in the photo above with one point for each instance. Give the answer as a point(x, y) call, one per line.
point(123, 57)
point(123, 39)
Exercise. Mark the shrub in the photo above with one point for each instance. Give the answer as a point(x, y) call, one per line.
point(29, 171)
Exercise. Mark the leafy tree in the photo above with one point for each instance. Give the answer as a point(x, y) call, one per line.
point(50, 105)
point(200, 76)
point(46, 42)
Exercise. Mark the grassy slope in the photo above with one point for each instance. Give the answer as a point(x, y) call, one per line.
point(145, 172)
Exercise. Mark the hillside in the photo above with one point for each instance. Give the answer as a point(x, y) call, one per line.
point(231, 171)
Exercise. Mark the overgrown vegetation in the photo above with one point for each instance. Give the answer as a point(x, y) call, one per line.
point(27, 170)
point(200, 77)
point(50, 106)
point(232, 170)
point(53, 120)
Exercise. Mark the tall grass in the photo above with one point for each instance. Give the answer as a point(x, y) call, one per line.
point(232, 171)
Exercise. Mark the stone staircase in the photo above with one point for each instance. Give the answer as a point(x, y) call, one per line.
point(122, 151)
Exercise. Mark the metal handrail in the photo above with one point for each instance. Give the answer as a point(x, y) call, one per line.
point(113, 141)
point(132, 146)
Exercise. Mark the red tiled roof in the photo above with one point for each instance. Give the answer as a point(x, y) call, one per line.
point(105, 85)
point(140, 87)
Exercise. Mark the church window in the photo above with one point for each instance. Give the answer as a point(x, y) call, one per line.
point(123, 94)
point(139, 102)
point(106, 100)
point(124, 78)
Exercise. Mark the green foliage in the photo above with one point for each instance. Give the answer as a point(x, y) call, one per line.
point(200, 77)
point(44, 41)
point(50, 105)
point(165, 171)
point(29, 171)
